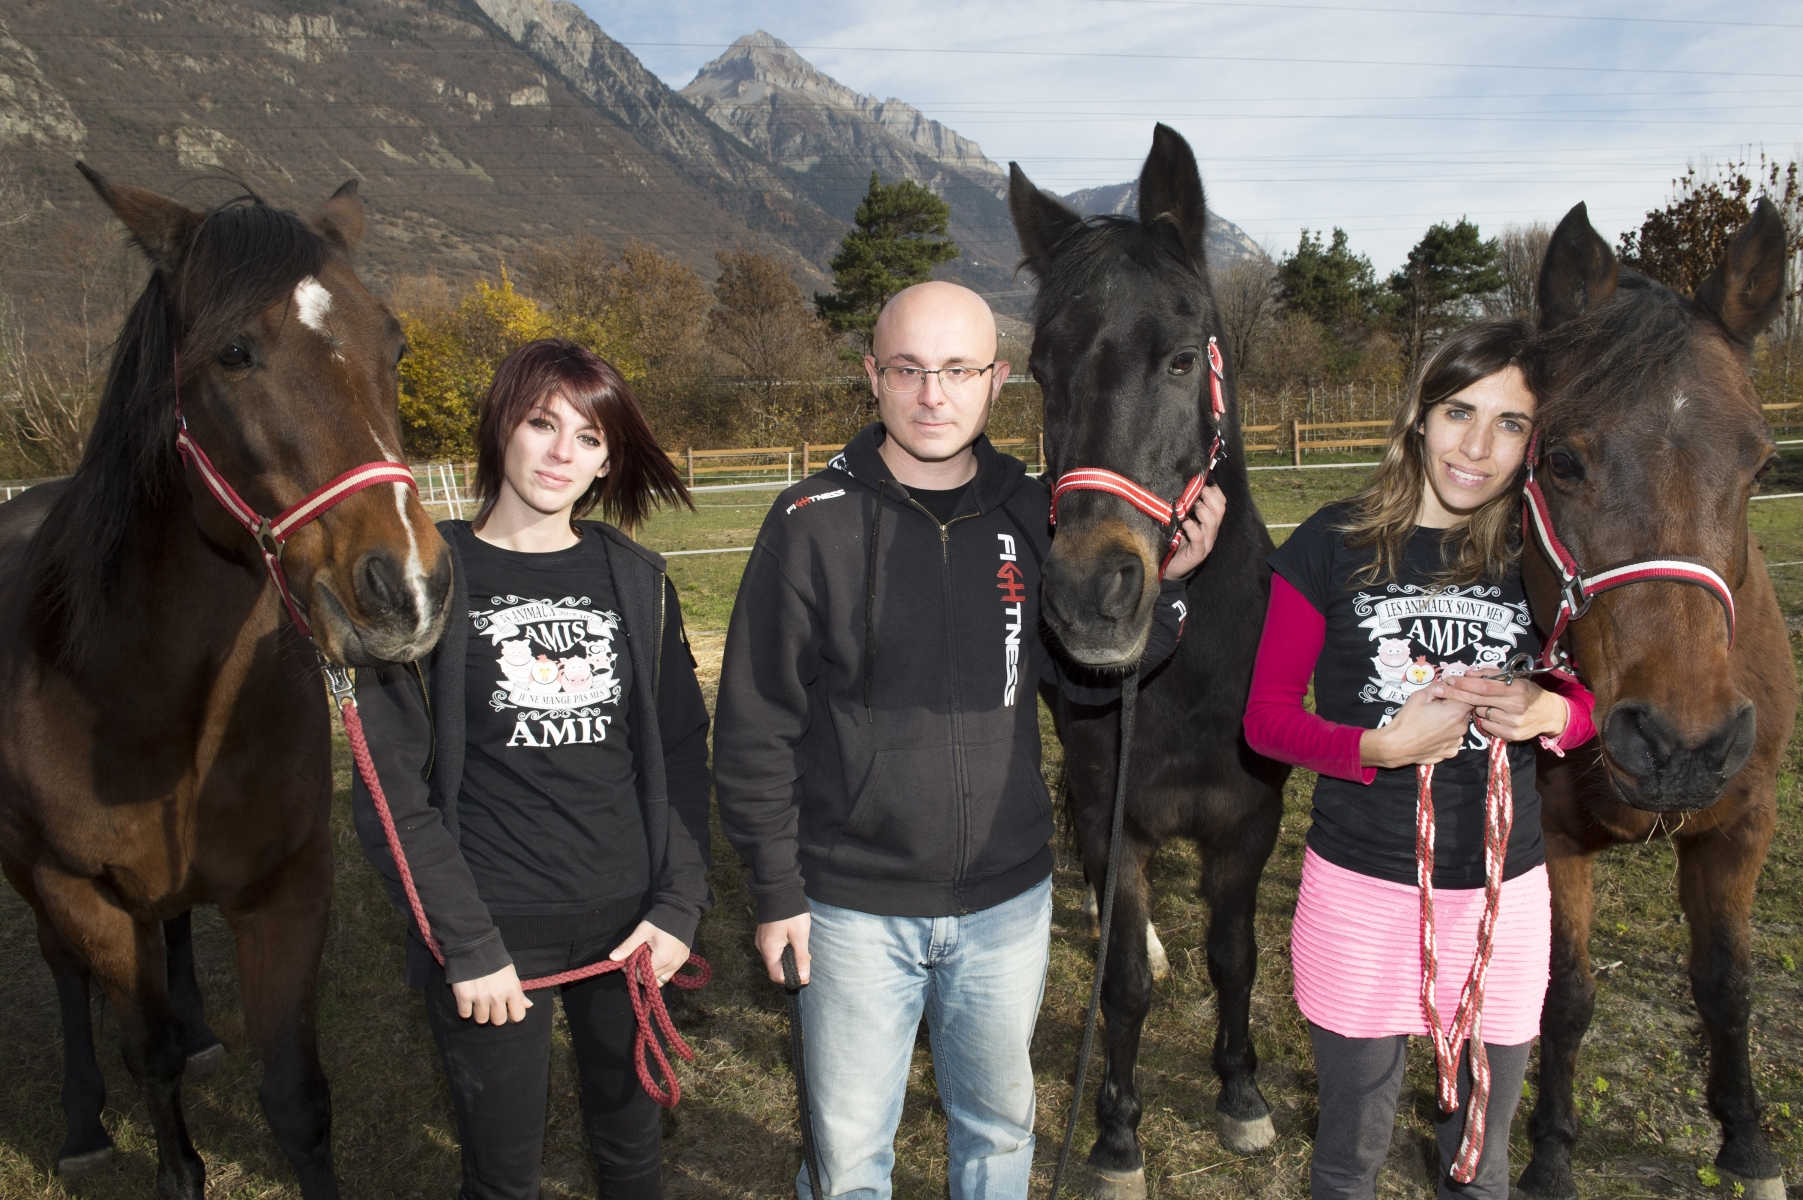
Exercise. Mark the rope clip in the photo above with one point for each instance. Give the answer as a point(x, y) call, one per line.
point(338, 680)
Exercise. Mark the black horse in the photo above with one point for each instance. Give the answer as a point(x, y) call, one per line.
point(1122, 329)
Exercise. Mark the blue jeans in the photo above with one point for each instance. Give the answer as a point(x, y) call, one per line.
point(978, 978)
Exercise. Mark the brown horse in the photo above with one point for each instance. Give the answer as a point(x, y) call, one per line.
point(164, 738)
point(1652, 442)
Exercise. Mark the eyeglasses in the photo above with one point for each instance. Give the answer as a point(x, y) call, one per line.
point(905, 381)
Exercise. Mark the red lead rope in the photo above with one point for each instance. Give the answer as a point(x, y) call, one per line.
point(641, 984)
point(1468, 1021)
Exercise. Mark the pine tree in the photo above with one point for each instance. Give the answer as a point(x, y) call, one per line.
point(1448, 271)
point(900, 237)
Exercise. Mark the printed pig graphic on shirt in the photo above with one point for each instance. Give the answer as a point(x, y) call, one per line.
point(576, 676)
point(1392, 657)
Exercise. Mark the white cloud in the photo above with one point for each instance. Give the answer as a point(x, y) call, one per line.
point(1381, 122)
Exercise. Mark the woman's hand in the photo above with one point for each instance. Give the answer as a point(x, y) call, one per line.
point(1199, 529)
point(1516, 711)
point(493, 999)
point(667, 953)
point(1426, 729)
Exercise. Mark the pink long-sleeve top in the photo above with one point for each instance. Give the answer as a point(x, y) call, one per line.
point(1279, 726)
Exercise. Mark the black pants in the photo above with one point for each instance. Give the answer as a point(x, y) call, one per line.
point(500, 1076)
point(1360, 1084)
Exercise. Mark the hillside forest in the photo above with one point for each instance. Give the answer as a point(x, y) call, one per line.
point(748, 358)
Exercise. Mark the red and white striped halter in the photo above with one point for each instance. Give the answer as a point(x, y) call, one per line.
point(271, 532)
point(1168, 513)
point(1576, 588)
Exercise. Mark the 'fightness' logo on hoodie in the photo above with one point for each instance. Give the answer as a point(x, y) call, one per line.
point(1013, 589)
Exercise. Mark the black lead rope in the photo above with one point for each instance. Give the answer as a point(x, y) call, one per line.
point(1129, 697)
point(810, 1153)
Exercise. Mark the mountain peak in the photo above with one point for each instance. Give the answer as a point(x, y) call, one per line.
point(762, 58)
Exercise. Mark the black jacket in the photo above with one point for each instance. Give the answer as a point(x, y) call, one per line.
point(877, 737)
point(413, 715)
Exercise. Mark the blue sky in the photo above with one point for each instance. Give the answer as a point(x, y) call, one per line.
point(1380, 118)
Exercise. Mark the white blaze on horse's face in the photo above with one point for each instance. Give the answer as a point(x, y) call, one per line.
point(313, 304)
point(415, 568)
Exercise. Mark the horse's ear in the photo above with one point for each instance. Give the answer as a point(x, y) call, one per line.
point(340, 219)
point(1579, 273)
point(1170, 191)
point(1040, 220)
point(1744, 293)
point(163, 227)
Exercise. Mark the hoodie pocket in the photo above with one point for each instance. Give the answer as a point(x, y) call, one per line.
point(904, 824)
point(1010, 809)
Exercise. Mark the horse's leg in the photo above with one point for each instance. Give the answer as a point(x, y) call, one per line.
point(1230, 872)
point(126, 955)
point(198, 1042)
point(1716, 874)
point(1570, 1002)
point(281, 932)
point(1155, 955)
point(1118, 1166)
point(86, 1143)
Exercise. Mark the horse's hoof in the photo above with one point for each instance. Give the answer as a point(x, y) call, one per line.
point(202, 1063)
point(1756, 1189)
point(77, 1165)
point(1117, 1185)
point(1245, 1137)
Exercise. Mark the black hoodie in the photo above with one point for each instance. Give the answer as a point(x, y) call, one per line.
point(876, 739)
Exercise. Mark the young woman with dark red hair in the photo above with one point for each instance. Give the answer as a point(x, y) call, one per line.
point(547, 771)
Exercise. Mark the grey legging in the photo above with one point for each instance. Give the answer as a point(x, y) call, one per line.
point(1360, 1084)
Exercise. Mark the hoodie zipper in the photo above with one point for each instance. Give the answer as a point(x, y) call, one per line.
point(958, 759)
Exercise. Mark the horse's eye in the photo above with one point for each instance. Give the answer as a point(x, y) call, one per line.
point(1762, 472)
point(1184, 363)
point(234, 355)
point(401, 354)
point(1563, 465)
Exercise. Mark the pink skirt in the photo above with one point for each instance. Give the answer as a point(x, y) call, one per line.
point(1355, 948)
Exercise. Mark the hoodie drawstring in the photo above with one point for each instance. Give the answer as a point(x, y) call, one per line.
point(876, 536)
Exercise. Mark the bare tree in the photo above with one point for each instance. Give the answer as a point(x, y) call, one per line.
point(1246, 298)
point(1520, 251)
point(764, 331)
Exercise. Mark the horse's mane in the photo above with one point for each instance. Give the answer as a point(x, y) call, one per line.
point(1073, 264)
point(245, 256)
point(1612, 357)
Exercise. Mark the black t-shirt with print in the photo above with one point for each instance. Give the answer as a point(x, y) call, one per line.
point(549, 811)
point(1382, 643)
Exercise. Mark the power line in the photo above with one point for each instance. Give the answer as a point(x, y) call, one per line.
point(1456, 12)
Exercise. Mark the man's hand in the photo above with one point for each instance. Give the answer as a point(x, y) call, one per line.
point(1515, 711)
point(667, 952)
point(1199, 528)
point(1426, 729)
point(772, 937)
point(493, 999)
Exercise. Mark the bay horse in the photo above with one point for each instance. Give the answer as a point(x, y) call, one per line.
point(164, 737)
point(1651, 442)
point(1123, 327)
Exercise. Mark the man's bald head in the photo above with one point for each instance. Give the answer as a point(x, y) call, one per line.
point(946, 317)
point(931, 426)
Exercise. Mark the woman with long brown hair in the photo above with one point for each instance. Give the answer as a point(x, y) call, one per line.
point(1403, 604)
point(547, 770)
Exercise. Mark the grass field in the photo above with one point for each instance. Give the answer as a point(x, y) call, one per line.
point(1647, 1132)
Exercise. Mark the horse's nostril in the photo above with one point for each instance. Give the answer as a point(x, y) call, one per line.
point(1122, 594)
point(379, 584)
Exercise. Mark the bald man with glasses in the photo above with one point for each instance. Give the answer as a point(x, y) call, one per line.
point(877, 757)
